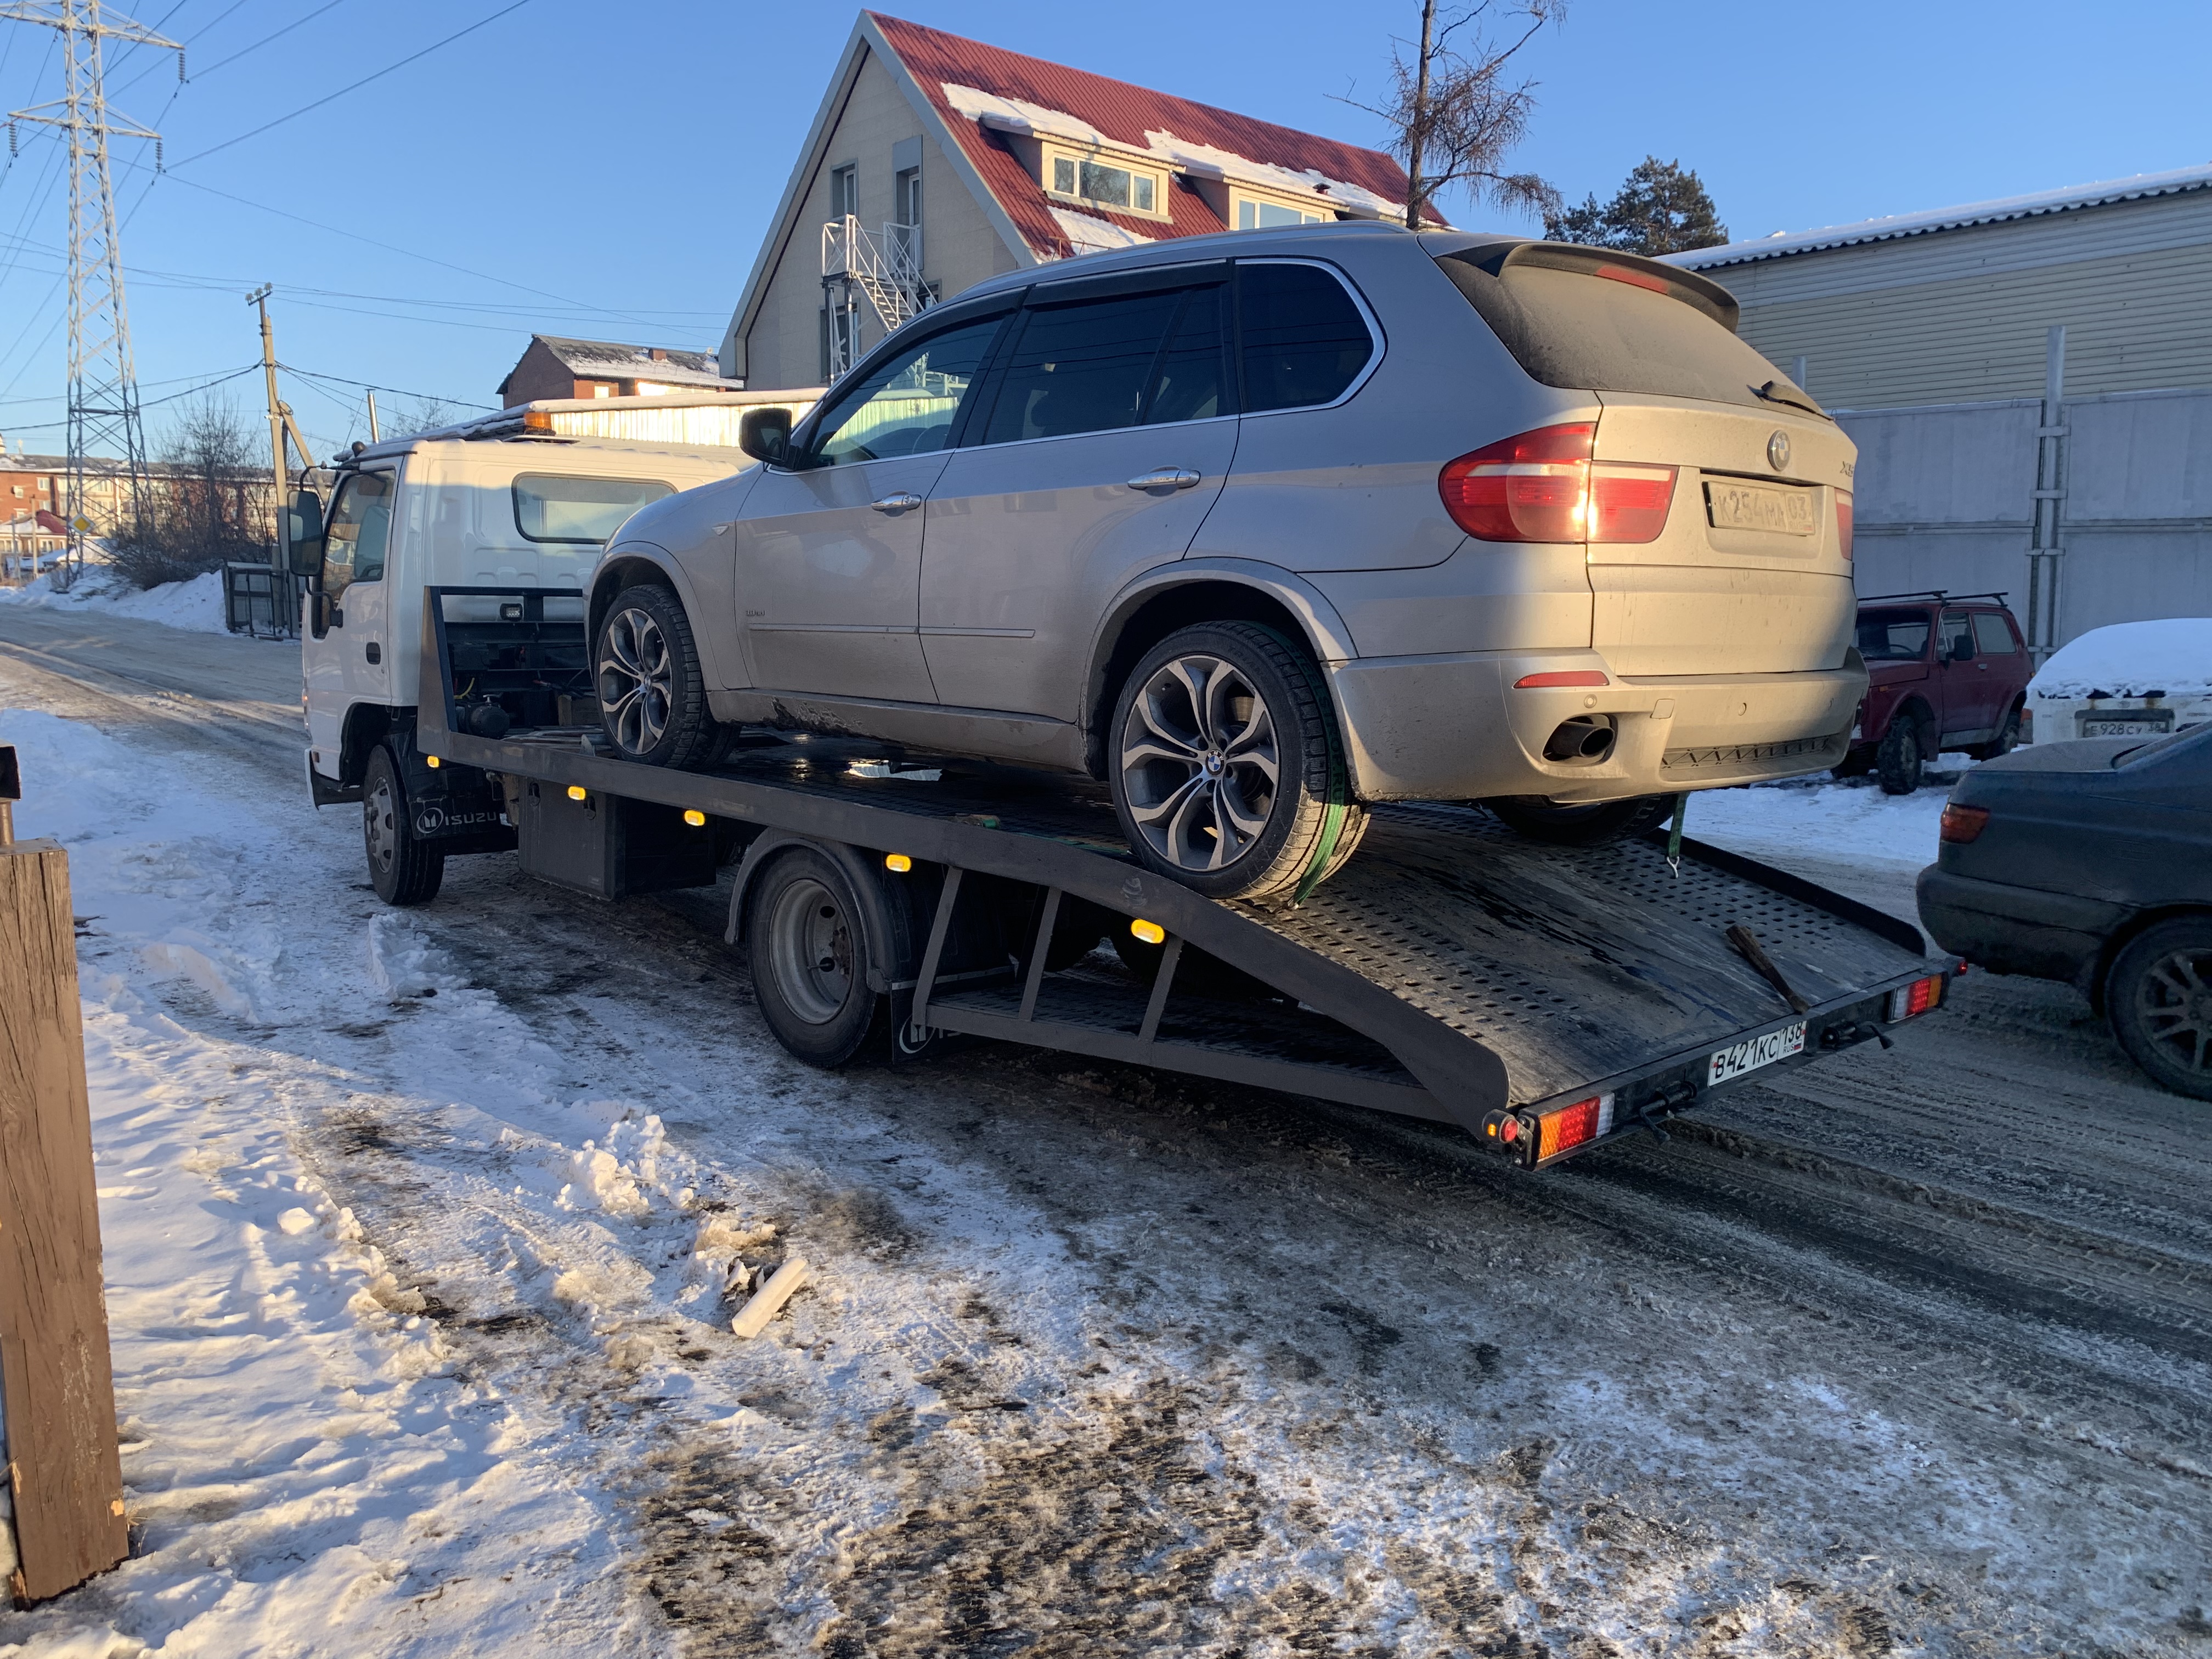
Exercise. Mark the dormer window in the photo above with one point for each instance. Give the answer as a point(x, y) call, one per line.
point(1256, 213)
point(1106, 181)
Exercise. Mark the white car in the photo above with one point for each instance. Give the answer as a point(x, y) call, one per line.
point(2150, 677)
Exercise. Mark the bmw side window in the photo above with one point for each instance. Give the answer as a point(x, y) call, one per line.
point(1304, 338)
point(909, 403)
point(1083, 367)
point(360, 529)
point(1994, 634)
point(1188, 385)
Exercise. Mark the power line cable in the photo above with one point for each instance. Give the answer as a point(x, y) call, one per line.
point(353, 86)
point(371, 385)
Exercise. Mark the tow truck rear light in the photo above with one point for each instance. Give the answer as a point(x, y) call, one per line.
point(1962, 825)
point(1542, 486)
point(1843, 521)
point(1916, 998)
point(1570, 1125)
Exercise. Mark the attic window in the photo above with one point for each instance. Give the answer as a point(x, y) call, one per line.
point(1253, 214)
point(1093, 183)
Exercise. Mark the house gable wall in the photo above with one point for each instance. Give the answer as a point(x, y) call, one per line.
point(783, 345)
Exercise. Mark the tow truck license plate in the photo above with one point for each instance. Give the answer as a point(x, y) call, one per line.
point(1755, 1052)
point(1732, 505)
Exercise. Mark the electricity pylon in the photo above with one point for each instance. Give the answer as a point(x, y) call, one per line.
point(103, 383)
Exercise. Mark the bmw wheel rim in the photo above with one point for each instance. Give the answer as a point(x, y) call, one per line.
point(636, 680)
point(2174, 1001)
point(1200, 763)
point(810, 950)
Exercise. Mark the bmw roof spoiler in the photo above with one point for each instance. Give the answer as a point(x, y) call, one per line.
point(1494, 254)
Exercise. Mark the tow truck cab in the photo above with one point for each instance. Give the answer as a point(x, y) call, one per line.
point(526, 500)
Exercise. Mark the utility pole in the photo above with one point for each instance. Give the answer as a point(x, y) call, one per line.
point(374, 437)
point(280, 412)
point(103, 381)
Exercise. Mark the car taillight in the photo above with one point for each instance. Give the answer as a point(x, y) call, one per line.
point(1961, 824)
point(1843, 521)
point(1916, 998)
point(1541, 486)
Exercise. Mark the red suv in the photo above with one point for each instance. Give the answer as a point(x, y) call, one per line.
point(1944, 671)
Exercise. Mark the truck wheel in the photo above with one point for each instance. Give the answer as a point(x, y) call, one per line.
point(1228, 771)
point(809, 955)
point(653, 698)
point(2160, 993)
point(1898, 761)
point(402, 867)
point(1596, 824)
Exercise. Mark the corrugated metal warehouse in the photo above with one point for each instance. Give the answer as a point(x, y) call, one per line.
point(2030, 384)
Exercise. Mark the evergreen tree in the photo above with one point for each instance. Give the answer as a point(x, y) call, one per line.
point(1660, 209)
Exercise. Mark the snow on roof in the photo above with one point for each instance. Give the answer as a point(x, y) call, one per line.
point(1088, 235)
point(983, 93)
point(1781, 243)
point(2132, 659)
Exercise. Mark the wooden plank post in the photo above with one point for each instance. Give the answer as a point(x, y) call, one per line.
point(57, 1391)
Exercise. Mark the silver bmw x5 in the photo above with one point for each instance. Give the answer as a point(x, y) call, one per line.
point(1262, 529)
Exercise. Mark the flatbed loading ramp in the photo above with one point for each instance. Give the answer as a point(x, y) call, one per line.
point(1544, 998)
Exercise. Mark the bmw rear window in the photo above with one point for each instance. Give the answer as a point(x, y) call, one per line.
point(1592, 324)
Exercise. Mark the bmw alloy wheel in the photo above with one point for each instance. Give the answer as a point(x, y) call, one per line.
point(636, 680)
point(1201, 768)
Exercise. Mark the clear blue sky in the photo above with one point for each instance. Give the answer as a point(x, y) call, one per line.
point(607, 170)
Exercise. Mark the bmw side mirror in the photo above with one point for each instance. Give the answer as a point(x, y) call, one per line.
point(765, 434)
point(301, 521)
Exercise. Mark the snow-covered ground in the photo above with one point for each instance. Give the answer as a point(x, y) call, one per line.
point(424, 1231)
point(195, 606)
point(1850, 821)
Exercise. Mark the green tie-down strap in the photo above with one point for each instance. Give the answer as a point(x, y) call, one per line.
point(1332, 826)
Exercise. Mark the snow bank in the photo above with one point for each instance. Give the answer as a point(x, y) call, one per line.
point(2130, 659)
point(1844, 820)
point(195, 606)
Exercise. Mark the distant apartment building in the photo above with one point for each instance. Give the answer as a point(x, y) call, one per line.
point(935, 161)
point(2029, 381)
point(554, 366)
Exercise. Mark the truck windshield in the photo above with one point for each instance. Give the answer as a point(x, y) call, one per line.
point(1893, 635)
point(549, 507)
point(1605, 330)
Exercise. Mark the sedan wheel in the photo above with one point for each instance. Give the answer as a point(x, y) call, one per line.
point(2159, 996)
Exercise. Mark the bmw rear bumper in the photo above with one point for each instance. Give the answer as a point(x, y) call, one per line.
point(1459, 728)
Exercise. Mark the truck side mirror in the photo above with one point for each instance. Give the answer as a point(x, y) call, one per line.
point(302, 524)
point(765, 434)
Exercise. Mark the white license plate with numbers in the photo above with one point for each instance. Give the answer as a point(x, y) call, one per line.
point(1732, 505)
point(2120, 727)
point(1754, 1052)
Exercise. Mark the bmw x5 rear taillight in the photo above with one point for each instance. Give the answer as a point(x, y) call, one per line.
point(1542, 486)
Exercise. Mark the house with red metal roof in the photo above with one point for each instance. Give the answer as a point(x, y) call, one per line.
point(935, 161)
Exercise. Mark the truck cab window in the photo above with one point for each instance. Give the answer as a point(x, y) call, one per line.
point(360, 530)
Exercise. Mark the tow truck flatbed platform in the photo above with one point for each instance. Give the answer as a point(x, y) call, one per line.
point(1544, 997)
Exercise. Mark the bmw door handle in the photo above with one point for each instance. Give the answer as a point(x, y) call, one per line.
point(904, 501)
point(1164, 477)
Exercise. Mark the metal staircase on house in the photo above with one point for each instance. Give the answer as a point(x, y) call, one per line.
point(885, 270)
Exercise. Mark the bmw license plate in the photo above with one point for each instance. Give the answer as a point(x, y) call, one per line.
point(1734, 504)
point(1754, 1052)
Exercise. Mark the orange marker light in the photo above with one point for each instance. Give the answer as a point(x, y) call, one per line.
point(1150, 932)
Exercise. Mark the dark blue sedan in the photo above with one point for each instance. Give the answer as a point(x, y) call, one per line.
point(2092, 863)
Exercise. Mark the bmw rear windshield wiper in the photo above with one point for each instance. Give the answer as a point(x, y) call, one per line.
point(1771, 396)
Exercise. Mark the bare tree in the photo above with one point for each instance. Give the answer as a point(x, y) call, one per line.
point(425, 415)
point(205, 504)
point(1453, 113)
